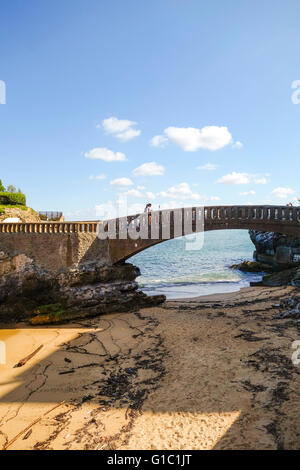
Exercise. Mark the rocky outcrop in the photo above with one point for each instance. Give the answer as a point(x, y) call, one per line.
point(287, 277)
point(277, 254)
point(252, 267)
point(278, 250)
point(28, 291)
point(25, 214)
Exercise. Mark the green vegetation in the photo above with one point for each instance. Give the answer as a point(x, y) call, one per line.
point(16, 206)
point(51, 313)
point(12, 199)
point(49, 308)
point(11, 196)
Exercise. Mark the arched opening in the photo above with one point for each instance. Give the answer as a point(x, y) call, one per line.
point(175, 269)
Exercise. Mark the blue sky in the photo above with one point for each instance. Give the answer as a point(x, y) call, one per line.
point(90, 83)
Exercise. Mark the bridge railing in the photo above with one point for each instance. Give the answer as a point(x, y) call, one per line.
point(186, 220)
point(50, 227)
point(210, 214)
point(267, 213)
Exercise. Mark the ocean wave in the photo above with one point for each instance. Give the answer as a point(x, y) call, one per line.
point(170, 269)
point(207, 278)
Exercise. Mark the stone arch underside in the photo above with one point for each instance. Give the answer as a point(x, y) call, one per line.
point(122, 250)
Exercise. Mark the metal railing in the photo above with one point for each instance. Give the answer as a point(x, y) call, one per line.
point(50, 215)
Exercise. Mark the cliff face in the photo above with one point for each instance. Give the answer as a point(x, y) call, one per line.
point(281, 251)
point(31, 292)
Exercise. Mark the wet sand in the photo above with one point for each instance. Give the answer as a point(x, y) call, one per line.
point(207, 373)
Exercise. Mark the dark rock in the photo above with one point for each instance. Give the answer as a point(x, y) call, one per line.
point(90, 289)
point(278, 250)
point(252, 267)
point(288, 277)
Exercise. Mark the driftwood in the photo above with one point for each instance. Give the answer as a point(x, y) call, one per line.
point(30, 425)
point(27, 358)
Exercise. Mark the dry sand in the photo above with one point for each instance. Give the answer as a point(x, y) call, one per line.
point(207, 373)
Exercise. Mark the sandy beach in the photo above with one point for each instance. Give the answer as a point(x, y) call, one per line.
point(213, 372)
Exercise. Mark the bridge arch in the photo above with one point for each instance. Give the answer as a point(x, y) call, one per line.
point(65, 243)
point(184, 221)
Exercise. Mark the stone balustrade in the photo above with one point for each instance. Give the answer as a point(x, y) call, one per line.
point(117, 240)
point(49, 227)
point(213, 216)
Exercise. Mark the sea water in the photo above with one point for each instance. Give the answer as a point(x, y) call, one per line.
point(174, 269)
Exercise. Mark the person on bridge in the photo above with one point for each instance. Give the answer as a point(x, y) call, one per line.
point(148, 209)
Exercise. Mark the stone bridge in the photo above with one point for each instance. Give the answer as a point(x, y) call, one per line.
point(60, 245)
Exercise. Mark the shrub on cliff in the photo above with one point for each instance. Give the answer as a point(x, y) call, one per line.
point(7, 198)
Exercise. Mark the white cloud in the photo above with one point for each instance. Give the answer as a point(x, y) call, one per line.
point(282, 193)
point(237, 145)
point(181, 190)
point(248, 193)
point(235, 178)
point(102, 176)
point(191, 139)
point(107, 210)
point(120, 208)
point(261, 181)
point(135, 209)
point(141, 187)
point(150, 195)
point(114, 125)
point(123, 182)
point(242, 178)
point(134, 193)
point(149, 169)
point(159, 141)
point(105, 154)
point(128, 135)
point(120, 128)
point(208, 166)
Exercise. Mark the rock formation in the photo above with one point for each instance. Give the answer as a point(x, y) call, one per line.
point(25, 214)
point(280, 251)
point(252, 267)
point(276, 254)
point(286, 277)
point(28, 291)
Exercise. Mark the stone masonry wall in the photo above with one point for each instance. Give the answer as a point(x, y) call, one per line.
point(56, 251)
point(55, 277)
